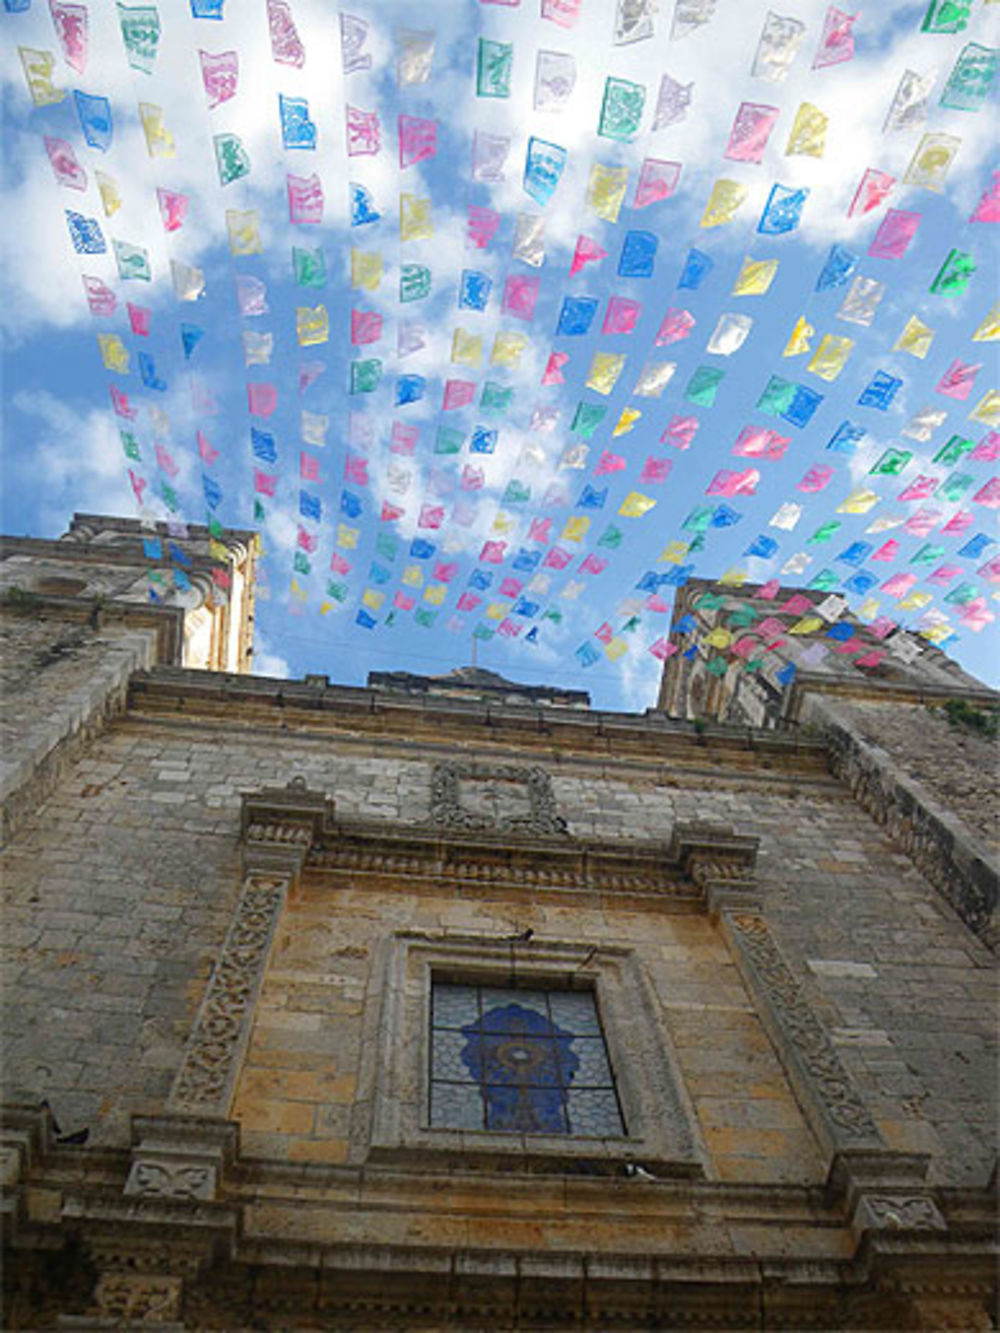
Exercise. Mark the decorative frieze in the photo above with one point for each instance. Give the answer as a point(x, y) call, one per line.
point(801, 1040)
point(495, 797)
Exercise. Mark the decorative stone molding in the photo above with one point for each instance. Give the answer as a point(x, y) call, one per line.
point(222, 1028)
point(280, 824)
point(838, 1114)
point(898, 1212)
point(179, 1157)
point(500, 798)
point(138, 1298)
point(721, 862)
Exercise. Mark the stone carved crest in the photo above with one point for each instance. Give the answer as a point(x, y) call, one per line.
point(806, 1035)
point(495, 799)
point(138, 1298)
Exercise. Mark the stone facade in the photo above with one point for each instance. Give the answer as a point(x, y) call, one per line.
point(222, 920)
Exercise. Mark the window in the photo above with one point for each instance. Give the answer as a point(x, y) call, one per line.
point(520, 1061)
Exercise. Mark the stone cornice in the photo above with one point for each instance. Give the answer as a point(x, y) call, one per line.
point(166, 621)
point(874, 690)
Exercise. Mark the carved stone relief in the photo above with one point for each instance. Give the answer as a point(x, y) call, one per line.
point(900, 1212)
point(802, 1033)
point(495, 798)
point(165, 1179)
point(212, 1056)
point(138, 1298)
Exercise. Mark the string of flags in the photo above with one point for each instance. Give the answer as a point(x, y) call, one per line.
point(447, 495)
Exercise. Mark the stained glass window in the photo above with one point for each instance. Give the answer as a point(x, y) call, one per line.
point(520, 1061)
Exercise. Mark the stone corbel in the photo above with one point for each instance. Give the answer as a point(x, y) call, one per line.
point(720, 861)
point(180, 1157)
point(280, 824)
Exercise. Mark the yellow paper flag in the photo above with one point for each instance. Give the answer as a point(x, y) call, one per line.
point(604, 371)
point(807, 625)
point(606, 190)
point(435, 593)
point(497, 610)
point(799, 340)
point(38, 67)
point(723, 202)
point(372, 599)
point(347, 537)
point(988, 409)
point(674, 552)
point(575, 529)
point(808, 136)
point(244, 232)
point(916, 338)
point(312, 325)
point(413, 576)
point(628, 418)
point(503, 522)
point(915, 601)
point(755, 276)
point(507, 349)
point(466, 348)
point(858, 502)
point(636, 504)
point(614, 648)
point(114, 353)
point(159, 140)
point(107, 186)
point(868, 609)
point(831, 356)
point(366, 269)
point(719, 637)
point(989, 330)
point(298, 591)
point(415, 222)
point(734, 578)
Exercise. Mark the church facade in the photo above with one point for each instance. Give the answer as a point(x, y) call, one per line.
point(447, 1003)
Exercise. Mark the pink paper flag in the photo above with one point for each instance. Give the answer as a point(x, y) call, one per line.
point(139, 318)
point(390, 512)
point(165, 461)
point(655, 470)
point(837, 42)
point(508, 629)
point(881, 627)
point(100, 299)
point(991, 570)
point(768, 591)
point(894, 235)
point(70, 23)
point(728, 482)
point(482, 226)
point(989, 495)
point(887, 552)
point(920, 488)
point(366, 326)
point(305, 199)
point(677, 324)
point(873, 190)
point(417, 140)
point(976, 615)
point(621, 316)
point(798, 604)
point(657, 180)
point(540, 530)
point(202, 398)
point(958, 380)
point(609, 462)
point(338, 564)
point(870, 659)
point(519, 296)
point(944, 574)
point(988, 208)
point(308, 541)
point(771, 626)
point(468, 601)
point(473, 478)
point(431, 516)
point(510, 587)
point(656, 604)
point(220, 75)
point(121, 404)
point(815, 479)
point(263, 399)
point(563, 12)
point(286, 48)
point(402, 601)
point(750, 133)
point(205, 450)
point(363, 138)
point(445, 570)
point(958, 523)
point(898, 585)
point(923, 522)
point(493, 552)
point(356, 469)
point(457, 393)
point(173, 208)
point(988, 448)
point(604, 633)
point(139, 484)
point(662, 649)
point(680, 432)
point(67, 169)
point(556, 558)
point(746, 646)
point(760, 442)
point(553, 369)
point(264, 483)
point(587, 252)
point(403, 439)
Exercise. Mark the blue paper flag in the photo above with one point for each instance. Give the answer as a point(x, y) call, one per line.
point(147, 371)
point(840, 264)
point(638, 255)
point(800, 410)
point(363, 208)
point(85, 233)
point(350, 505)
point(213, 491)
point(587, 654)
point(191, 336)
point(480, 579)
point(724, 517)
point(263, 446)
point(860, 584)
point(975, 546)
point(95, 119)
point(524, 607)
point(310, 506)
point(542, 168)
point(856, 554)
point(421, 549)
point(525, 562)
point(207, 9)
point(297, 130)
point(378, 574)
point(483, 441)
point(576, 316)
point(409, 389)
point(881, 391)
point(591, 498)
point(787, 674)
point(783, 210)
point(762, 546)
point(846, 438)
point(697, 266)
point(365, 619)
point(178, 556)
point(474, 290)
point(151, 548)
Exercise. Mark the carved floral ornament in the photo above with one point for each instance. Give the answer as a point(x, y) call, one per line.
point(497, 798)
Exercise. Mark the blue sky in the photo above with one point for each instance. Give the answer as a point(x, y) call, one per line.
point(62, 444)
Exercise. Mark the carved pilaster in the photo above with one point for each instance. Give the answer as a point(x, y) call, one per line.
point(221, 1031)
point(836, 1111)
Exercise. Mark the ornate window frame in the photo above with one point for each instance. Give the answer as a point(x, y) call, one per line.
point(659, 1122)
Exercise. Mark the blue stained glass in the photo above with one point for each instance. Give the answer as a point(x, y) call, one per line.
point(474, 290)
point(576, 316)
point(840, 264)
point(638, 255)
point(697, 266)
point(783, 210)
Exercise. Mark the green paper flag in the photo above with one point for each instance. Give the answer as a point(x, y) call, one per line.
point(231, 158)
point(309, 267)
point(587, 418)
point(954, 274)
point(621, 109)
point(365, 375)
point(141, 33)
point(414, 282)
point(496, 59)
